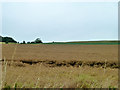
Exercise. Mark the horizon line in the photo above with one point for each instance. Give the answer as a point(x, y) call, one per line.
point(62, 41)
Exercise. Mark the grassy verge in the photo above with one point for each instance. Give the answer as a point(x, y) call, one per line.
point(39, 76)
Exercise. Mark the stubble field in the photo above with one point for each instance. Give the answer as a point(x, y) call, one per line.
point(60, 66)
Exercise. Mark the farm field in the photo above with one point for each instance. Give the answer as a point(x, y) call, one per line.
point(60, 66)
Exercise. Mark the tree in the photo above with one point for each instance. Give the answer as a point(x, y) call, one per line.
point(28, 42)
point(24, 42)
point(32, 42)
point(8, 39)
point(38, 40)
point(0, 38)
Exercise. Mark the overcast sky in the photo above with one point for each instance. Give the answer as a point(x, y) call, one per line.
point(63, 21)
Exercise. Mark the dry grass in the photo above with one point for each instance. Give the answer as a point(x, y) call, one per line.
point(61, 52)
point(43, 75)
point(61, 77)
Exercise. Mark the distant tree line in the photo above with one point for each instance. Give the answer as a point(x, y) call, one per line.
point(7, 40)
point(11, 40)
point(38, 40)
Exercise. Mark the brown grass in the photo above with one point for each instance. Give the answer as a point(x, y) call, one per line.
point(61, 77)
point(61, 52)
point(61, 66)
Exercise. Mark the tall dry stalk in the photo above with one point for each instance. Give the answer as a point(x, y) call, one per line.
point(37, 83)
point(0, 66)
point(0, 74)
point(4, 72)
point(16, 81)
point(14, 53)
point(105, 66)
